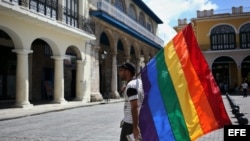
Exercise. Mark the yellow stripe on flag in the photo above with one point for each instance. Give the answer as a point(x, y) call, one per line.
point(182, 91)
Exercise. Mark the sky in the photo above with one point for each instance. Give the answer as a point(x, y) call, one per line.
point(169, 11)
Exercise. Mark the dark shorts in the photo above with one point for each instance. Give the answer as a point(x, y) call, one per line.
point(245, 92)
point(127, 129)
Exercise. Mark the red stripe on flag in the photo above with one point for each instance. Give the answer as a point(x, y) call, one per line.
point(207, 80)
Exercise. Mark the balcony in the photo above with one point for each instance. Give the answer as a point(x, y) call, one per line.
point(52, 11)
point(112, 11)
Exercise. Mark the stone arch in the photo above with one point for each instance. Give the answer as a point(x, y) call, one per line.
point(224, 59)
point(111, 39)
point(105, 61)
point(245, 68)
point(53, 45)
point(224, 69)
point(41, 71)
point(125, 45)
point(247, 58)
point(134, 54)
point(18, 43)
point(121, 56)
point(75, 50)
point(210, 30)
point(217, 57)
point(8, 62)
point(136, 49)
point(243, 24)
point(72, 54)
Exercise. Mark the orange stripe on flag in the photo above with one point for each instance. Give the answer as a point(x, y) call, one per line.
point(197, 93)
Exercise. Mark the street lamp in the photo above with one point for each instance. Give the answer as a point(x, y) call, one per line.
point(104, 55)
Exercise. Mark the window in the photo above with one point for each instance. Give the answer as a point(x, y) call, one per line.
point(120, 5)
point(132, 12)
point(142, 19)
point(245, 36)
point(222, 37)
point(149, 27)
point(70, 14)
point(45, 7)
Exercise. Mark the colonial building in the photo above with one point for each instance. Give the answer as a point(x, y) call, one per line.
point(224, 39)
point(125, 31)
point(62, 50)
point(45, 53)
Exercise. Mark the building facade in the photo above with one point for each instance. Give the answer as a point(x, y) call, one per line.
point(125, 31)
point(45, 51)
point(224, 39)
point(62, 50)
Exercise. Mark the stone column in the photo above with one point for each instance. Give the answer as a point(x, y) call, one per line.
point(114, 93)
point(79, 80)
point(95, 91)
point(60, 10)
point(25, 3)
point(22, 78)
point(146, 59)
point(87, 72)
point(138, 65)
point(58, 80)
point(81, 9)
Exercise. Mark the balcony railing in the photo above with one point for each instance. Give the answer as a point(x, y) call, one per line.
point(57, 12)
point(122, 17)
point(233, 11)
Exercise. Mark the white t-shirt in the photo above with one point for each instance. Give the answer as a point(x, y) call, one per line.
point(133, 91)
point(244, 85)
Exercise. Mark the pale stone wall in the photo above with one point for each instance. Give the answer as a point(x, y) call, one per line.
point(139, 57)
point(24, 27)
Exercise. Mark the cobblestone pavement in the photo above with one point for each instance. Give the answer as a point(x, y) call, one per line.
point(243, 103)
point(94, 123)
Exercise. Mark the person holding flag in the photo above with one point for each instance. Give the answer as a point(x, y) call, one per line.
point(133, 95)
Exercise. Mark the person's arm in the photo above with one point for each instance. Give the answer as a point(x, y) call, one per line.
point(133, 97)
point(135, 118)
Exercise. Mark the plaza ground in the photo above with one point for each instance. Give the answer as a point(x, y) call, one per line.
point(75, 121)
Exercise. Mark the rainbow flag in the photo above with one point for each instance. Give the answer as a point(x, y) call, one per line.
point(182, 100)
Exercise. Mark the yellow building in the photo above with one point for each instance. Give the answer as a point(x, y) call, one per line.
point(224, 39)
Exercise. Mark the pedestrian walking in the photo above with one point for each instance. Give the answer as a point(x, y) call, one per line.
point(133, 95)
point(244, 87)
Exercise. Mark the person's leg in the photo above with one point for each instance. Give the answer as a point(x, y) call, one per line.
point(127, 129)
point(244, 92)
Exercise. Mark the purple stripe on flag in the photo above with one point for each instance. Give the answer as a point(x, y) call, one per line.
point(157, 107)
point(148, 130)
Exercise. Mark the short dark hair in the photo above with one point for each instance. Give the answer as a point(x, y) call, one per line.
point(128, 66)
